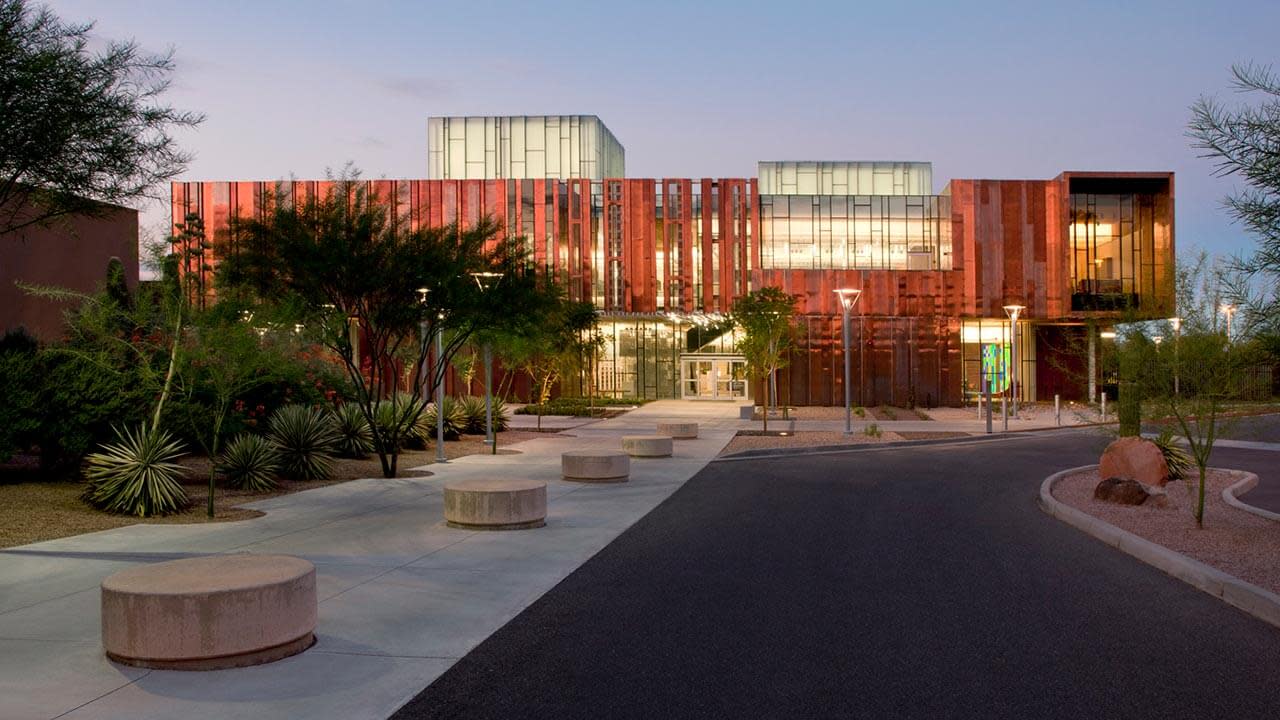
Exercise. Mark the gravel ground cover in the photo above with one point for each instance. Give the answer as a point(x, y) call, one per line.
point(36, 510)
point(802, 439)
point(1233, 541)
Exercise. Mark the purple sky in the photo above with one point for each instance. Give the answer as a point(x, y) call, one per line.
point(997, 90)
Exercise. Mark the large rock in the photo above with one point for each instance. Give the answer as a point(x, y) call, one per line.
point(1121, 491)
point(1133, 458)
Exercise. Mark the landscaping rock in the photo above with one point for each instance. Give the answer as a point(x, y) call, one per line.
point(1121, 491)
point(1134, 458)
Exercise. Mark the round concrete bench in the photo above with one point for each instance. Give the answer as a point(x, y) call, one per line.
point(647, 445)
point(595, 466)
point(493, 504)
point(210, 613)
point(679, 430)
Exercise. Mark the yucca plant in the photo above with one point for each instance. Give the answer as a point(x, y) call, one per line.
point(395, 420)
point(455, 420)
point(354, 438)
point(137, 474)
point(1178, 461)
point(305, 439)
point(251, 463)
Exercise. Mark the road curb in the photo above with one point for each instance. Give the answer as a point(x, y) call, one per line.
point(1244, 485)
point(1256, 601)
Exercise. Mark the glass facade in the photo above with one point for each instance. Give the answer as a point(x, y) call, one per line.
point(641, 355)
point(987, 350)
point(1116, 255)
point(859, 232)
point(845, 178)
point(535, 146)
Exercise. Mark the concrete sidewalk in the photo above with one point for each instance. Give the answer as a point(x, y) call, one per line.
point(402, 596)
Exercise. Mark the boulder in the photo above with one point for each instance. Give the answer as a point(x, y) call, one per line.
point(1133, 458)
point(1121, 491)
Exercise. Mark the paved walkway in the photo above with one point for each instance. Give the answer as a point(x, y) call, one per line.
point(909, 582)
point(402, 596)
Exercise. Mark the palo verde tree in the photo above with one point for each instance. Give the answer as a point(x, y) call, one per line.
point(1244, 141)
point(767, 319)
point(79, 127)
point(552, 348)
point(373, 290)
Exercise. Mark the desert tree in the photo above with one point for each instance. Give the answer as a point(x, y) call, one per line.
point(767, 319)
point(79, 127)
point(1243, 140)
point(373, 290)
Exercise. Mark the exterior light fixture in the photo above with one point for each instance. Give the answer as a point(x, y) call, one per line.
point(1228, 310)
point(1108, 334)
point(848, 298)
point(1013, 311)
point(1157, 339)
point(486, 281)
point(1176, 323)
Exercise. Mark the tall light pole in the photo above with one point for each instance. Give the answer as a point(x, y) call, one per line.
point(1176, 324)
point(422, 332)
point(848, 298)
point(1013, 311)
point(1228, 309)
point(486, 281)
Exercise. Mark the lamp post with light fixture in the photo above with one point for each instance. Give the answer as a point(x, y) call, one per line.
point(1176, 324)
point(1013, 311)
point(848, 298)
point(1228, 309)
point(487, 281)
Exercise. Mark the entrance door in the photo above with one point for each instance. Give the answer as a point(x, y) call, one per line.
point(713, 377)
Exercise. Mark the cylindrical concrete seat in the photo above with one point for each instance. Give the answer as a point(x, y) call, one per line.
point(210, 613)
point(647, 445)
point(494, 504)
point(679, 430)
point(595, 466)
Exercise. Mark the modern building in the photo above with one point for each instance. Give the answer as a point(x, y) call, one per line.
point(664, 259)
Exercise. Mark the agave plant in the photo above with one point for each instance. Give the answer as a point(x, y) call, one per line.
point(455, 420)
point(354, 438)
point(137, 474)
point(250, 462)
point(1178, 461)
point(305, 440)
point(395, 419)
point(473, 414)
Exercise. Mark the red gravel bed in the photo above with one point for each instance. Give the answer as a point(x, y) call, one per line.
point(1236, 542)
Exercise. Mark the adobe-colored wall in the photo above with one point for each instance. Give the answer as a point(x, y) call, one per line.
point(73, 253)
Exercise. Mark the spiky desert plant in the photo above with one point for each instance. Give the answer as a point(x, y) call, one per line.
point(473, 412)
point(305, 439)
point(137, 474)
point(455, 420)
point(501, 418)
point(354, 438)
point(251, 463)
point(1175, 458)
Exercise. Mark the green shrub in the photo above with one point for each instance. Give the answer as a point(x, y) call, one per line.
point(455, 420)
point(473, 411)
point(305, 439)
point(395, 421)
point(860, 411)
point(137, 475)
point(873, 430)
point(250, 462)
point(354, 437)
point(1174, 456)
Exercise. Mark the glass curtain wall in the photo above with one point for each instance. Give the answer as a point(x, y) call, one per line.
point(641, 355)
point(1113, 250)
point(987, 348)
point(855, 232)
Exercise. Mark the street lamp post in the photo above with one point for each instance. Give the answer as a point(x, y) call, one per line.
point(1176, 324)
point(1228, 309)
point(848, 298)
point(439, 385)
point(1013, 311)
point(486, 281)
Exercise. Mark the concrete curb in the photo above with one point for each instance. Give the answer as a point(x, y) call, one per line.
point(1244, 485)
point(766, 453)
point(1260, 603)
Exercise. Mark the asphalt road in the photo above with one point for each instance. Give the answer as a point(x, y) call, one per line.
point(918, 582)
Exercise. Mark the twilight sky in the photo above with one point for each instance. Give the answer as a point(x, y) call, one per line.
point(981, 89)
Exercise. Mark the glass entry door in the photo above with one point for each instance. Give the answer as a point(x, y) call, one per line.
point(713, 377)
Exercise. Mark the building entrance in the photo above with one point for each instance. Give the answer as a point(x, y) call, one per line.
point(713, 377)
